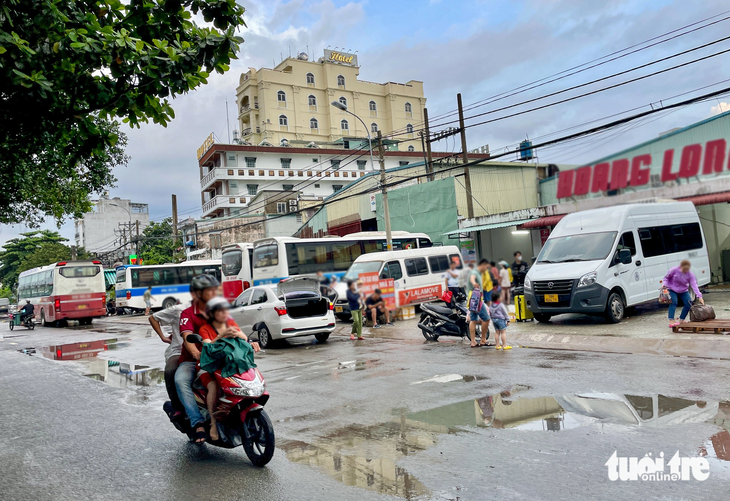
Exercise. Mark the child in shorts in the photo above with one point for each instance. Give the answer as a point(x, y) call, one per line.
point(500, 320)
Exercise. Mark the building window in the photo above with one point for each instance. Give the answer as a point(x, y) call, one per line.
point(343, 101)
point(315, 160)
point(373, 109)
point(252, 189)
point(409, 110)
point(310, 80)
point(344, 126)
point(373, 127)
point(316, 186)
point(314, 125)
point(283, 122)
point(409, 130)
point(411, 148)
point(242, 200)
point(281, 98)
point(281, 173)
point(288, 187)
point(336, 187)
point(335, 164)
point(271, 173)
point(281, 207)
point(285, 164)
point(252, 173)
point(241, 172)
point(337, 174)
point(361, 164)
point(251, 163)
point(344, 174)
point(261, 173)
point(215, 241)
point(230, 172)
point(300, 174)
point(340, 81)
point(312, 103)
point(291, 173)
point(403, 163)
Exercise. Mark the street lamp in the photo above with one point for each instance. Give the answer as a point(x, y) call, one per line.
point(386, 215)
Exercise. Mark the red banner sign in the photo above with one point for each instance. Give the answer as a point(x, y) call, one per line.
point(420, 294)
point(371, 281)
point(604, 176)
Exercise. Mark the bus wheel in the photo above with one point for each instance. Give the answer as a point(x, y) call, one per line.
point(43, 319)
point(168, 303)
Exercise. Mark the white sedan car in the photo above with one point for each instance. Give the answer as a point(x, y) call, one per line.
point(294, 307)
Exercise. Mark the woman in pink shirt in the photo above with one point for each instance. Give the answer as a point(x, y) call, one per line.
point(678, 281)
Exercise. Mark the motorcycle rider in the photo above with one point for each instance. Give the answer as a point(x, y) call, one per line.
point(202, 288)
point(28, 310)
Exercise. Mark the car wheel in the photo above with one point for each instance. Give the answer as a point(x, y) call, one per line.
point(542, 317)
point(615, 308)
point(265, 340)
point(322, 337)
point(168, 303)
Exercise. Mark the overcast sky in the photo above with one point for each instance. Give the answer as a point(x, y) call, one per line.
point(479, 48)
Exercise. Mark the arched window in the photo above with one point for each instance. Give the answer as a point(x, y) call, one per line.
point(310, 79)
point(409, 110)
point(409, 130)
point(373, 109)
point(312, 103)
point(344, 125)
point(283, 122)
point(373, 127)
point(343, 100)
point(340, 81)
point(281, 98)
point(411, 148)
point(313, 124)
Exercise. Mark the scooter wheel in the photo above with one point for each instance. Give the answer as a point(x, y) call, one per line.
point(429, 336)
point(258, 438)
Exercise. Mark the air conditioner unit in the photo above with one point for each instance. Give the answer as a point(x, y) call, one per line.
point(293, 203)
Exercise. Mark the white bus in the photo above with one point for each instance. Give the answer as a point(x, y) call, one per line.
point(277, 258)
point(68, 290)
point(237, 268)
point(170, 282)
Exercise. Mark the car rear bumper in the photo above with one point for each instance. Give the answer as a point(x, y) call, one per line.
point(292, 327)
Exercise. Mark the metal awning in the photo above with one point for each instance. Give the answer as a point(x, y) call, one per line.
point(544, 222)
point(111, 277)
point(492, 226)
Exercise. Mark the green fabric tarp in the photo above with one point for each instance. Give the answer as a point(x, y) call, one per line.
point(231, 355)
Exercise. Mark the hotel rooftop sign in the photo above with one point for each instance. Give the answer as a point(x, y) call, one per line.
point(331, 56)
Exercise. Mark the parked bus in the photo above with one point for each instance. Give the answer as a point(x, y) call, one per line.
point(170, 282)
point(277, 258)
point(237, 268)
point(69, 290)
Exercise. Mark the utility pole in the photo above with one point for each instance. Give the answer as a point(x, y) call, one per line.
point(386, 210)
point(73, 253)
point(174, 219)
point(429, 165)
point(465, 157)
point(136, 252)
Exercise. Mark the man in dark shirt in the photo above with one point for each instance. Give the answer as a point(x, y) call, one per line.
point(26, 311)
point(519, 269)
point(374, 304)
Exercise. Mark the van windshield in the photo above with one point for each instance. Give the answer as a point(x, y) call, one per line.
point(366, 267)
point(585, 247)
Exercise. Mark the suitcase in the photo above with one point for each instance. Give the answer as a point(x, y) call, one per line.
point(522, 314)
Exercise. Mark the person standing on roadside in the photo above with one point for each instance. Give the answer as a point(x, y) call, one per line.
point(464, 277)
point(170, 317)
point(452, 279)
point(504, 282)
point(487, 284)
point(678, 280)
point(148, 297)
point(519, 269)
point(475, 282)
point(354, 301)
point(500, 319)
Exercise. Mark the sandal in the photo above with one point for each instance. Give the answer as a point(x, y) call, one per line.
point(199, 435)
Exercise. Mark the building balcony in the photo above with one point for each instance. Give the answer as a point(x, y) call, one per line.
point(220, 202)
point(219, 174)
point(248, 131)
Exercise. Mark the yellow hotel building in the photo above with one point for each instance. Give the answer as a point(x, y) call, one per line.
point(292, 104)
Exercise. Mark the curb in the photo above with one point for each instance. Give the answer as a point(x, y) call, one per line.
point(697, 348)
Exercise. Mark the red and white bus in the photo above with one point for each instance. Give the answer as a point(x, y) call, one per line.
point(237, 269)
point(69, 290)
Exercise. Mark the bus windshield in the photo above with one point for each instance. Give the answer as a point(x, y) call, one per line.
point(571, 248)
point(232, 262)
point(265, 255)
point(366, 267)
point(79, 271)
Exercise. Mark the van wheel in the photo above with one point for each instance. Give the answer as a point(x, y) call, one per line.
point(542, 317)
point(265, 340)
point(322, 337)
point(168, 303)
point(615, 308)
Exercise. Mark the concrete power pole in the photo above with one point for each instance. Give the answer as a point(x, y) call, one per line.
point(73, 253)
point(386, 210)
point(136, 252)
point(429, 165)
point(174, 219)
point(465, 156)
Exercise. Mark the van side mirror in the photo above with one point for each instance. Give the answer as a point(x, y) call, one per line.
point(624, 255)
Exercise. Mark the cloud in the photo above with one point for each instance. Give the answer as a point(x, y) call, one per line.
point(721, 107)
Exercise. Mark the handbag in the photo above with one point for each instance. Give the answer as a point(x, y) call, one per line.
point(701, 312)
point(664, 296)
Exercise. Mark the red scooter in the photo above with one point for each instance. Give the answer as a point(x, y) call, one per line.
point(240, 413)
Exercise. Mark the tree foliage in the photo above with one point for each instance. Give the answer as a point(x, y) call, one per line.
point(69, 69)
point(157, 245)
point(16, 250)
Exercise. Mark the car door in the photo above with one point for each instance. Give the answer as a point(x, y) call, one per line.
point(238, 308)
point(256, 310)
point(632, 276)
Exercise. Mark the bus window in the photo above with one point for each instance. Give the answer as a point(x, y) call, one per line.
point(373, 246)
point(424, 243)
point(232, 262)
point(265, 255)
point(314, 257)
point(345, 254)
point(250, 261)
point(121, 276)
point(407, 244)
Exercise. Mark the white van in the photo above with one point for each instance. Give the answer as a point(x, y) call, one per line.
point(419, 275)
point(601, 261)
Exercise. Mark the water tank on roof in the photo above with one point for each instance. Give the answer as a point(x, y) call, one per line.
point(526, 150)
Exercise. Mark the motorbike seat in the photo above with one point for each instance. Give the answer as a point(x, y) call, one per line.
point(441, 310)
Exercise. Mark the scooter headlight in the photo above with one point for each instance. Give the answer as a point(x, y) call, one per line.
point(249, 388)
point(528, 283)
point(588, 279)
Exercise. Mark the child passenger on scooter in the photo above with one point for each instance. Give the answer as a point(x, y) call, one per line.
point(219, 326)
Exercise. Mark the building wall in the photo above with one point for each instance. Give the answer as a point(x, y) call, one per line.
point(422, 208)
point(96, 230)
point(499, 188)
point(260, 109)
point(282, 226)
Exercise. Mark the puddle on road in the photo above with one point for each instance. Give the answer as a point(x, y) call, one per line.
point(367, 456)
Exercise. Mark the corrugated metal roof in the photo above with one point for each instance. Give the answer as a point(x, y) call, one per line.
point(487, 227)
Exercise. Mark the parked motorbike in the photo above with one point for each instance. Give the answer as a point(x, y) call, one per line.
point(449, 320)
point(240, 413)
point(17, 319)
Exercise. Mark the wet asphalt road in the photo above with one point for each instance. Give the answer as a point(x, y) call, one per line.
point(381, 419)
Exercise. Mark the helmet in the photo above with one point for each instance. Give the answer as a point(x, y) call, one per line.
point(216, 304)
point(203, 282)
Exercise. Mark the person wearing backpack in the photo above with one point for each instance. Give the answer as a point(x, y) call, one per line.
point(678, 280)
point(480, 312)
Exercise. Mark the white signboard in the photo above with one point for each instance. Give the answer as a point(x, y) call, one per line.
point(373, 205)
